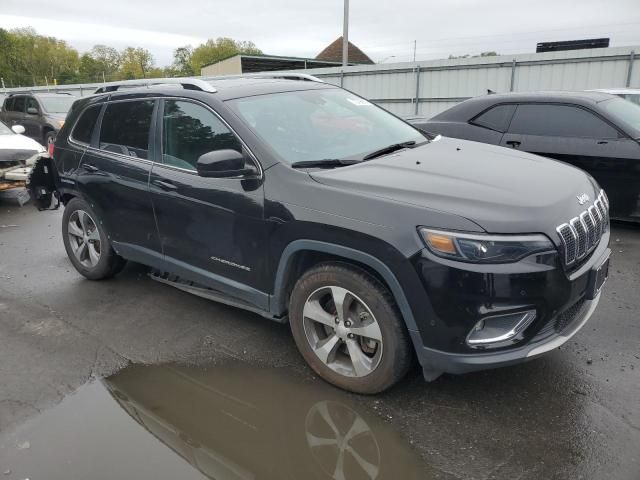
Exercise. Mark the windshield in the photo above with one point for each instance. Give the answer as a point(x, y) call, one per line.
point(4, 130)
point(60, 104)
point(321, 124)
point(625, 111)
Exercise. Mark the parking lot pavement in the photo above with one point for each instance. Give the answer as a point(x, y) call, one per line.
point(573, 414)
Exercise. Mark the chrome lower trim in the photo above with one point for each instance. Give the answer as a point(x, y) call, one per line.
point(563, 338)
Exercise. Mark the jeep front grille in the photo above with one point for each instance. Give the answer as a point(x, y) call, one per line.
point(582, 233)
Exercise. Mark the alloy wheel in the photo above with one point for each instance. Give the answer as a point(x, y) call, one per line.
point(342, 331)
point(84, 238)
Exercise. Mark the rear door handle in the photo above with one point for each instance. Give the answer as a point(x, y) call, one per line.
point(513, 143)
point(164, 185)
point(602, 142)
point(90, 168)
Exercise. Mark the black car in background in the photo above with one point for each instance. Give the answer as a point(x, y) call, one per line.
point(307, 204)
point(41, 114)
point(595, 131)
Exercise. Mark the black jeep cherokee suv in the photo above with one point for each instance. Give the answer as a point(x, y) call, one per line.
point(308, 204)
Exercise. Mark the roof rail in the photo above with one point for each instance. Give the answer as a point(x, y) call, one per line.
point(187, 83)
point(280, 75)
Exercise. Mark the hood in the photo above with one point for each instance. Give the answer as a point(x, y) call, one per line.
point(15, 147)
point(502, 190)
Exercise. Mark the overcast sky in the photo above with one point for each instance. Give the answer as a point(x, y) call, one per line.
point(382, 28)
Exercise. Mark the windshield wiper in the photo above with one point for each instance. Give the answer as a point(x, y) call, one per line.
point(326, 163)
point(389, 149)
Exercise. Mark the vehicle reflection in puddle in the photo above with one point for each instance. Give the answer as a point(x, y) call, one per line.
point(232, 421)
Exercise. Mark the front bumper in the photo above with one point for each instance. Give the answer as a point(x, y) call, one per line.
point(458, 296)
point(435, 362)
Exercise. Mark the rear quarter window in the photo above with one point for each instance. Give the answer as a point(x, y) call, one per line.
point(83, 128)
point(496, 118)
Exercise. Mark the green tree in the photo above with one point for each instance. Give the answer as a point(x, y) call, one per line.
point(181, 66)
point(214, 50)
point(135, 63)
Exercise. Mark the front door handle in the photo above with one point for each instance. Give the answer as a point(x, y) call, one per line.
point(602, 142)
point(513, 143)
point(164, 185)
point(90, 168)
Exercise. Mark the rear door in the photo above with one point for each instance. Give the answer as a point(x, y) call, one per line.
point(114, 176)
point(582, 138)
point(15, 111)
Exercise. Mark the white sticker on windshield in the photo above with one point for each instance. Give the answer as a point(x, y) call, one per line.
point(360, 102)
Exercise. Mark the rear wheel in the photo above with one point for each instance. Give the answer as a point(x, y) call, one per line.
point(347, 327)
point(86, 242)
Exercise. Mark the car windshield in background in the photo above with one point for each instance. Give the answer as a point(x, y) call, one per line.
point(61, 104)
point(322, 124)
point(625, 111)
point(632, 97)
point(4, 130)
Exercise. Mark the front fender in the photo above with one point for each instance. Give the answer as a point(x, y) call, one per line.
point(279, 297)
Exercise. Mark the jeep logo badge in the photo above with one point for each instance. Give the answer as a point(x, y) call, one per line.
point(582, 198)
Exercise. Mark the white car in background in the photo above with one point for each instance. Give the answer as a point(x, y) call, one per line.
point(631, 94)
point(17, 154)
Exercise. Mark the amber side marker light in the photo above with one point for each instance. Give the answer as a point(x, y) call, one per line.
point(441, 243)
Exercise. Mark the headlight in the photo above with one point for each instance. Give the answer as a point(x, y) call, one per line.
point(60, 123)
point(477, 248)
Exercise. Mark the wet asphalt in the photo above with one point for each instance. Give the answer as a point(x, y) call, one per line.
point(130, 378)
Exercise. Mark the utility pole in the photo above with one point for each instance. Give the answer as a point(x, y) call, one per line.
point(345, 35)
point(2, 80)
point(103, 79)
point(414, 50)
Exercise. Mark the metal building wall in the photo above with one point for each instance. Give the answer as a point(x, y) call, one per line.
point(429, 87)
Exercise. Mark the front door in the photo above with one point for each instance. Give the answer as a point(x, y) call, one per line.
point(212, 229)
point(114, 176)
point(31, 120)
point(580, 137)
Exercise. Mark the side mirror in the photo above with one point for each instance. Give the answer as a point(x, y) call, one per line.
point(222, 164)
point(19, 129)
point(32, 111)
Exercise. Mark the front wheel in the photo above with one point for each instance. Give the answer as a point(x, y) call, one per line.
point(49, 138)
point(86, 242)
point(348, 328)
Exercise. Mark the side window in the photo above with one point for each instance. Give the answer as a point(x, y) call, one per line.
point(496, 118)
point(84, 126)
point(8, 104)
point(18, 104)
point(125, 128)
point(189, 131)
point(32, 103)
point(559, 121)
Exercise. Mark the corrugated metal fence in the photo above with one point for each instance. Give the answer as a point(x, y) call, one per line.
point(429, 87)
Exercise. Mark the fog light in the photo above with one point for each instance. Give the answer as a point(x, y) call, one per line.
point(500, 330)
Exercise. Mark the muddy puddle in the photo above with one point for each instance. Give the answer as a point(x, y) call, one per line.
point(231, 421)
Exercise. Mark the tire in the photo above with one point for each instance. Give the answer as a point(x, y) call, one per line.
point(86, 238)
point(378, 363)
point(49, 137)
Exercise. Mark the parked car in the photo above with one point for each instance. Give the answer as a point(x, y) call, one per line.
point(17, 154)
point(594, 131)
point(41, 114)
point(631, 94)
point(375, 244)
